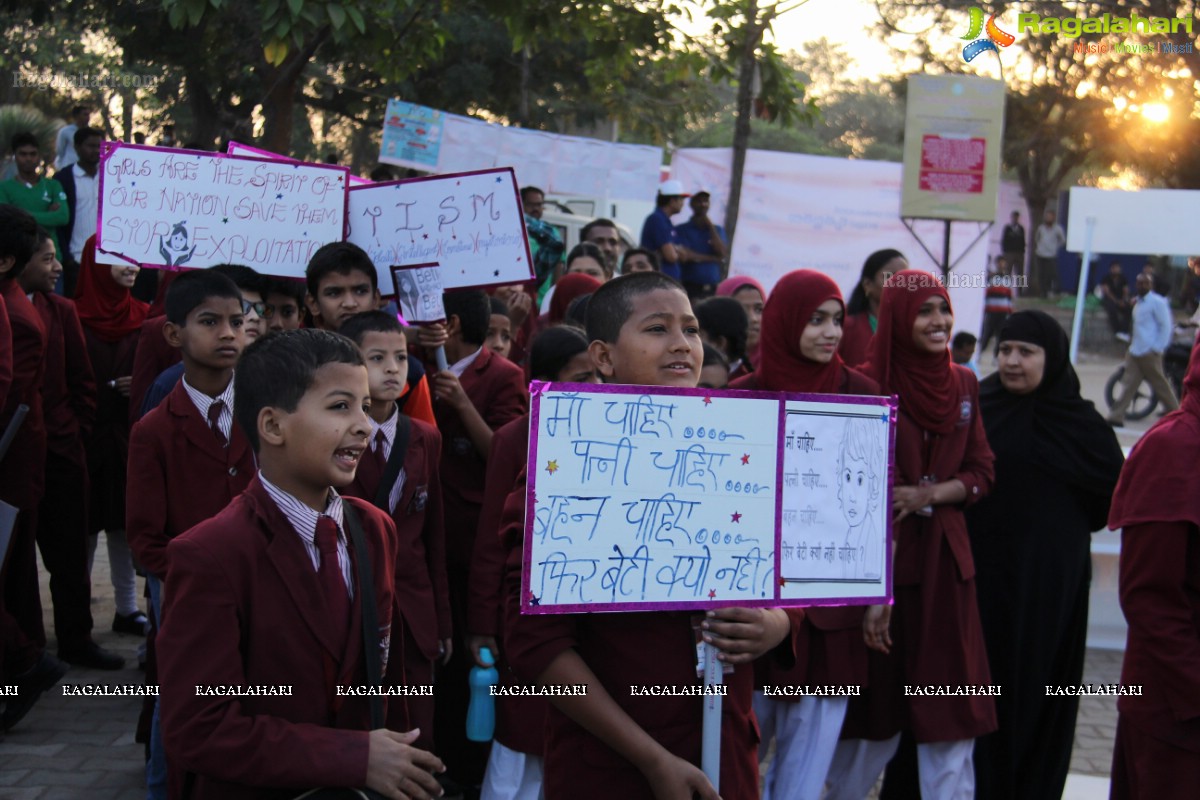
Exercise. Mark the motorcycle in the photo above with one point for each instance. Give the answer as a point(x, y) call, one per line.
point(1175, 364)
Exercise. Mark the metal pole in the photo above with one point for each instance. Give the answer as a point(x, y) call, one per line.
point(710, 748)
point(1081, 291)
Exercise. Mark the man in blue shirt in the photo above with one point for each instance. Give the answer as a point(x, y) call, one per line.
point(1152, 326)
point(704, 247)
point(658, 234)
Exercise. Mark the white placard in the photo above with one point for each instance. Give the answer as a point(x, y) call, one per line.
point(651, 498)
point(1145, 221)
point(470, 224)
point(163, 207)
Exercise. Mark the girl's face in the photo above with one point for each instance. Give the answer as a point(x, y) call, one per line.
point(579, 369)
point(1022, 366)
point(931, 329)
point(751, 300)
point(254, 324)
point(588, 266)
point(638, 262)
point(178, 241)
point(874, 286)
point(820, 338)
point(125, 274)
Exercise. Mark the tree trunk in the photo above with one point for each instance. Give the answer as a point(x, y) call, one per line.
point(741, 126)
point(280, 85)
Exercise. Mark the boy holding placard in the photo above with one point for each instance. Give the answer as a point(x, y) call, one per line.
point(611, 742)
point(399, 474)
point(341, 281)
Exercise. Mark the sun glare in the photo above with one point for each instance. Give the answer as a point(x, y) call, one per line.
point(1156, 112)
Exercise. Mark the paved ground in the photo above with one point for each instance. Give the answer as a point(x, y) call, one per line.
point(82, 747)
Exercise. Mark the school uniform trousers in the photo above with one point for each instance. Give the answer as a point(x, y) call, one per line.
point(69, 398)
point(422, 594)
point(21, 484)
point(496, 387)
point(244, 606)
point(935, 627)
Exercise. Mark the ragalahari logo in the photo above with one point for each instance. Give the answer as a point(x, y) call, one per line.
point(995, 36)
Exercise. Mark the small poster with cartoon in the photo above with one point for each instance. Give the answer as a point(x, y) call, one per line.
point(836, 510)
point(174, 250)
point(419, 293)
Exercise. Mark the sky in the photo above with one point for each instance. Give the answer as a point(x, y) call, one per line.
point(846, 22)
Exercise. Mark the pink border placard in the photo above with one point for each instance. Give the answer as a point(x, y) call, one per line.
point(108, 149)
point(537, 388)
point(257, 152)
point(493, 171)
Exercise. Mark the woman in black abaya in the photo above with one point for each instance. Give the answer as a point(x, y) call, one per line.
point(1057, 462)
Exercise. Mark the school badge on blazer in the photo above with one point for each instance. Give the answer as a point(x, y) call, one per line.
point(420, 497)
point(964, 411)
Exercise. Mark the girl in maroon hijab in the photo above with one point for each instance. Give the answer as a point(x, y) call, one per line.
point(801, 330)
point(112, 319)
point(932, 636)
point(753, 298)
point(566, 289)
point(1157, 507)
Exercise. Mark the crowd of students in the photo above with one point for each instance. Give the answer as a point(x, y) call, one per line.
point(316, 507)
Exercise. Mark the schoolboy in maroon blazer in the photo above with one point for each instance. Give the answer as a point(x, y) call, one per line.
point(611, 743)
point(267, 594)
point(187, 459)
point(476, 395)
point(69, 402)
point(414, 501)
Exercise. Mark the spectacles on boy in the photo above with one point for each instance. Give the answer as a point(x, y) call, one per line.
point(259, 307)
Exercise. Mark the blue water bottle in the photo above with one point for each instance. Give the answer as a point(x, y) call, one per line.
point(481, 713)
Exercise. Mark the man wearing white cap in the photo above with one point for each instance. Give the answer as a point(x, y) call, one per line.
point(658, 234)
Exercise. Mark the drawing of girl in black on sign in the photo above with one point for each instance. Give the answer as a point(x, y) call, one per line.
point(860, 484)
point(174, 249)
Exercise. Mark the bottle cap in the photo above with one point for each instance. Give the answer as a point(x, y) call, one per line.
point(485, 655)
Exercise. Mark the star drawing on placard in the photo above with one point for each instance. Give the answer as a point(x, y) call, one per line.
point(712, 593)
point(708, 401)
point(745, 458)
point(533, 599)
point(736, 517)
point(552, 467)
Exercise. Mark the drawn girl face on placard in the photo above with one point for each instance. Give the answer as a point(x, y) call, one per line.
point(858, 479)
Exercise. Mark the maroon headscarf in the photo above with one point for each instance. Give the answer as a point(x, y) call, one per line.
point(105, 308)
point(566, 289)
point(731, 286)
point(781, 366)
point(925, 382)
point(1160, 482)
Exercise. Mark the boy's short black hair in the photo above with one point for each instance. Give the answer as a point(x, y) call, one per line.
point(641, 251)
point(724, 316)
point(18, 237)
point(192, 288)
point(342, 258)
point(498, 306)
point(963, 339)
point(85, 133)
point(358, 326)
point(552, 349)
point(244, 277)
point(24, 139)
point(474, 312)
point(286, 287)
point(577, 311)
point(612, 303)
point(528, 190)
point(276, 371)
